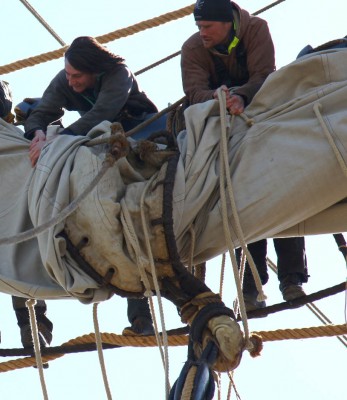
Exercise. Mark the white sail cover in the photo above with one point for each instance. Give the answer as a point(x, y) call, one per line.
point(288, 174)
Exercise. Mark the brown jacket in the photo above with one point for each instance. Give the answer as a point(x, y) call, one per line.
point(199, 75)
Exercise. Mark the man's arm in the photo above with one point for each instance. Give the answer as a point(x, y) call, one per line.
point(196, 70)
point(260, 58)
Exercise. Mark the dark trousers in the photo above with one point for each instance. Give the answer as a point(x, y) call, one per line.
point(138, 308)
point(291, 259)
point(22, 312)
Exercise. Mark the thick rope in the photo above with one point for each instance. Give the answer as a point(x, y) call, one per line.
point(189, 384)
point(118, 34)
point(175, 340)
point(30, 303)
point(98, 341)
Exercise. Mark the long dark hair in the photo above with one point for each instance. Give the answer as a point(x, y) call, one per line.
point(86, 54)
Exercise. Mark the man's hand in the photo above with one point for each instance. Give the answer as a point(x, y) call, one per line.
point(235, 103)
point(36, 146)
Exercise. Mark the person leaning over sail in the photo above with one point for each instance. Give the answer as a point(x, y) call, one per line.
point(99, 86)
point(233, 50)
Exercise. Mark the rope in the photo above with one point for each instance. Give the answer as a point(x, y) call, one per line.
point(268, 7)
point(232, 385)
point(118, 34)
point(298, 302)
point(155, 64)
point(156, 286)
point(30, 303)
point(130, 233)
point(222, 274)
point(225, 175)
point(312, 307)
point(192, 248)
point(189, 384)
point(174, 340)
point(42, 21)
point(99, 349)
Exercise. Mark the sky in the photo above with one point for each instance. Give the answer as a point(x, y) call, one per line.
point(306, 369)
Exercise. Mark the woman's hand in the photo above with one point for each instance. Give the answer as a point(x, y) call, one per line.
point(36, 146)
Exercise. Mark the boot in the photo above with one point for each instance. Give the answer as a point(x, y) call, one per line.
point(251, 302)
point(291, 287)
point(140, 326)
point(45, 336)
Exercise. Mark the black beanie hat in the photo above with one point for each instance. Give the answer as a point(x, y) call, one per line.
point(213, 10)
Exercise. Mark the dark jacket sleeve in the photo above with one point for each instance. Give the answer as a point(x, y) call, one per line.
point(49, 109)
point(260, 57)
point(196, 68)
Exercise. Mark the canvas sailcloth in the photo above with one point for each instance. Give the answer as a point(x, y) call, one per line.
point(288, 174)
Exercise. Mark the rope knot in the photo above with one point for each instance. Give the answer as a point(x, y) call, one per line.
point(189, 310)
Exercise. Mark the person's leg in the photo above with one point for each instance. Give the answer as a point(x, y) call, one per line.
point(292, 266)
point(258, 251)
point(139, 316)
point(45, 326)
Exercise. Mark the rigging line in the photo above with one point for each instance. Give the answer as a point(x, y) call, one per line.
point(313, 308)
point(155, 64)
point(43, 22)
point(98, 342)
point(118, 34)
point(30, 303)
point(268, 7)
point(300, 301)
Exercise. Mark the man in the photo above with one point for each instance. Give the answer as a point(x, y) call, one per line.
point(233, 50)
point(45, 326)
point(99, 86)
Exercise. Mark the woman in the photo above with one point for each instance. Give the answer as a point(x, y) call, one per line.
point(97, 84)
